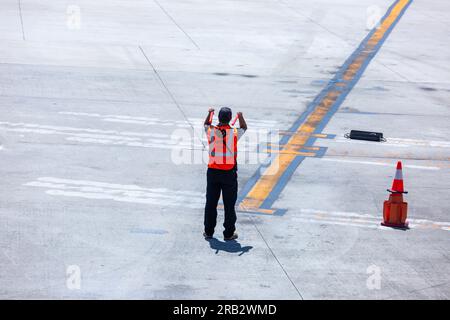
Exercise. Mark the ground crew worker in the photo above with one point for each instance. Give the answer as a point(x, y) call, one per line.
point(222, 171)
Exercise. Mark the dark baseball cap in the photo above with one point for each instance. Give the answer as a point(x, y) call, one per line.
point(225, 115)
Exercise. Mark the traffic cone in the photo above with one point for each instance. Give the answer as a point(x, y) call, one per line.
point(397, 184)
point(395, 209)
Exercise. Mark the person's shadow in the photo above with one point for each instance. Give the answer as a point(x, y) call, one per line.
point(228, 246)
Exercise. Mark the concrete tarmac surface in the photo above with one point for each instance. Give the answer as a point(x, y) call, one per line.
point(101, 148)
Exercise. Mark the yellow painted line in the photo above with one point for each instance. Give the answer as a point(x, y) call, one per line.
point(298, 153)
point(266, 183)
point(274, 145)
point(244, 209)
point(312, 148)
point(317, 135)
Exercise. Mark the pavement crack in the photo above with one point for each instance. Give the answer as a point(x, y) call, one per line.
point(163, 84)
point(276, 258)
point(395, 72)
point(346, 41)
point(21, 19)
point(283, 3)
point(178, 26)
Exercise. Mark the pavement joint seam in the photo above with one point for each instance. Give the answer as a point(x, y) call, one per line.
point(171, 95)
point(387, 81)
point(21, 19)
point(346, 41)
point(315, 22)
point(276, 258)
point(178, 26)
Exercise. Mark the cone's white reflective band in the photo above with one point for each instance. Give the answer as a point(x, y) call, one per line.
point(398, 175)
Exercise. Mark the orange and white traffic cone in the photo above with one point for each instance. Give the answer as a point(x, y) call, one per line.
point(394, 209)
point(397, 184)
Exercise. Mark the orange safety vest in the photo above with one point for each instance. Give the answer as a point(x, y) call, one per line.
point(222, 142)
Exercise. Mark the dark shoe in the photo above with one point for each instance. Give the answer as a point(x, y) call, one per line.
point(233, 237)
point(207, 237)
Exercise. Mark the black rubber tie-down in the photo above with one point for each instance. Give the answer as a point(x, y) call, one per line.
point(365, 135)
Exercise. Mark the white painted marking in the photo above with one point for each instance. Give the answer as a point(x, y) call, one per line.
point(333, 222)
point(121, 138)
point(415, 142)
point(150, 121)
point(190, 199)
point(61, 129)
point(379, 163)
point(111, 137)
point(118, 192)
point(398, 142)
point(112, 185)
point(340, 214)
point(361, 220)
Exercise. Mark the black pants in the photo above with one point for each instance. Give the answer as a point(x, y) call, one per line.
point(224, 181)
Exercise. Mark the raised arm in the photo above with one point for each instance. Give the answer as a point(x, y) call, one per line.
point(208, 117)
point(242, 123)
